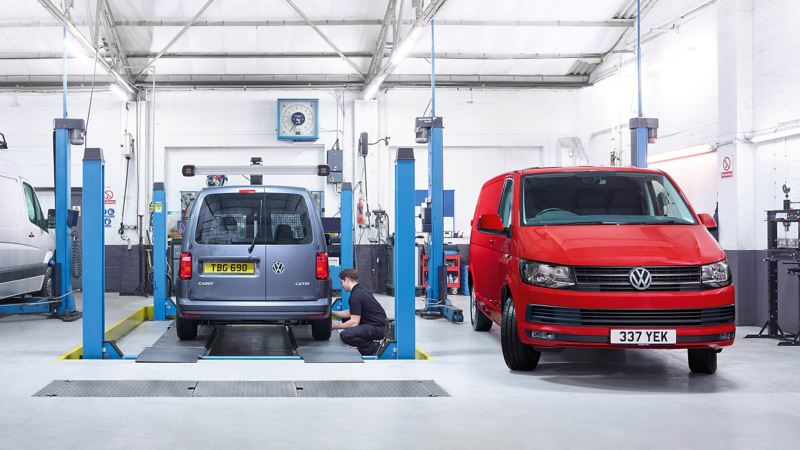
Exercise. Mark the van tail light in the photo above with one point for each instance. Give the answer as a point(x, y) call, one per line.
point(322, 266)
point(185, 270)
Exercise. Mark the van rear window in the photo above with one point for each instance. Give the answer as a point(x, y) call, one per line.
point(241, 219)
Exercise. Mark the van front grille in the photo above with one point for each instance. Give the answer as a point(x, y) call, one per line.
point(675, 278)
point(631, 317)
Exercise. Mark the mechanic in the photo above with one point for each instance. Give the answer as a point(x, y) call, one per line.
point(365, 320)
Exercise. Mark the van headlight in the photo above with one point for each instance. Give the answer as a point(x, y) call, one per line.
point(717, 274)
point(546, 275)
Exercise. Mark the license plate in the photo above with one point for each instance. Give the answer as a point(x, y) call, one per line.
point(643, 337)
point(229, 267)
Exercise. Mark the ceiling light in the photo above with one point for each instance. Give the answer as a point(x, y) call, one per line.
point(119, 93)
point(779, 134)
point(681, 153)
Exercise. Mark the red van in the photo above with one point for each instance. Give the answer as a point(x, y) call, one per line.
point(597, 257)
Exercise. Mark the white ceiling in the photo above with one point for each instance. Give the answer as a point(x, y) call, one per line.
point(31, 40)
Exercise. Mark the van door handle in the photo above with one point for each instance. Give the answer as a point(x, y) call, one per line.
point(31, 235)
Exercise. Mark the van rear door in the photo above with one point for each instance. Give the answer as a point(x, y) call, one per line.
point(291, 253)
point(229, 246)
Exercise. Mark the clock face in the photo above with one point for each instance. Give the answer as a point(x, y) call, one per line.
point(297, 119)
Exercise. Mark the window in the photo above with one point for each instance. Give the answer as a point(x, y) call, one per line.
point(506, 199)
point(241, 219)
point(574, 198)
point(34, 210)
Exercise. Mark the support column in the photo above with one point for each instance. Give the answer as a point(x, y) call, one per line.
point(94, 259)
point(404, 283)
point(346, 235)
point(162, 304)
point(435, 191)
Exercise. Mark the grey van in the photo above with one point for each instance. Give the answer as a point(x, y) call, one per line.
point(253, 254)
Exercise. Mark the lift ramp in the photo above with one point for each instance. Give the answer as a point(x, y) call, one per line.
point(249, 342)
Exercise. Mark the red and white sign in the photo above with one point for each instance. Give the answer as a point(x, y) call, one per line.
point(108, 197)
point(727, 167)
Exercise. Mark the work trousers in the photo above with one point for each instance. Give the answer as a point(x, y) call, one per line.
point(363, 337)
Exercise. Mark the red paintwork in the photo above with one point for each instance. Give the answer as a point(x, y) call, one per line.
point(494, 264)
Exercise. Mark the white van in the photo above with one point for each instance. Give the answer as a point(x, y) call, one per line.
point(26, 244)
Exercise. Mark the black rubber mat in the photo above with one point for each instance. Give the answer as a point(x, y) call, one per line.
point(175, 388)
point(252, 341)
point(171, 354)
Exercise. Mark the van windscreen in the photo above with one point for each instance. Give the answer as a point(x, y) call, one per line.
point(236, 218)
point(601, 198)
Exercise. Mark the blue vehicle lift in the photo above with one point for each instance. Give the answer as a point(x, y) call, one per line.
point(643, 129)
point(436, 302)
point(163, 306)
point(94, 260)
point(346, 245)
point(66, 132)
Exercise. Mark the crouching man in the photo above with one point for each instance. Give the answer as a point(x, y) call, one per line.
point(366, 319)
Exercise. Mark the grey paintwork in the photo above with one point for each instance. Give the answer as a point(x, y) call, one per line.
point(265, 296)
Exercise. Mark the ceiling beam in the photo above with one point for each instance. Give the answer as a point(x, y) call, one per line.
point(175, 39)
point(380, 44)
point(110, 23)
point(12, 82)
point(307, 55)
point(612, 23)
point(81, 39)
point(324, 37)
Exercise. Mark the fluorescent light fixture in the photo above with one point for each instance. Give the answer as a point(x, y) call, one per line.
point(404, 49)
point(399, 54)
point(681, 153)
point(120, 93)
point(778, 134)
point(76, 50)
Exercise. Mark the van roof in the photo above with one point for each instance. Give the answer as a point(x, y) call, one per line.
point(575, 169)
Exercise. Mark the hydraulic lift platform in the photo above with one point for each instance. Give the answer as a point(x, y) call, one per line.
point(275, 342)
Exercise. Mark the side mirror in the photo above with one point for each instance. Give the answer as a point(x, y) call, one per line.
point(708, 221)
point(51, 219)
point(491, 223)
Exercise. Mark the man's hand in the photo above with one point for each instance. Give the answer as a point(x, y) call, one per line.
point(341, 314)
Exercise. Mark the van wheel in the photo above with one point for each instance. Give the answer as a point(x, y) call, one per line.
point(321, 329)
point(47, 284)
point(703, 360)
point(518, 356)
point(479, 320)
point(186, 328)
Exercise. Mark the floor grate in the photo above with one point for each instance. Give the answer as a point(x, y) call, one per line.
point(179, 388)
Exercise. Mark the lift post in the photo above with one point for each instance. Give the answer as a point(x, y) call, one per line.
point(94, 260)
point(404, 284)
point(162, 302)
point(643, 131)
point(346, 235)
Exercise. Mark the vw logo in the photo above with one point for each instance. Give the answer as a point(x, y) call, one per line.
point(640, 278)
point(278, 267)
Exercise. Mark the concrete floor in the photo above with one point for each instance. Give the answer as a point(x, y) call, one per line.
point(575, 399)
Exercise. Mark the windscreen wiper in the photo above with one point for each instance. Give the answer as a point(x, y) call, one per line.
point(255, 229)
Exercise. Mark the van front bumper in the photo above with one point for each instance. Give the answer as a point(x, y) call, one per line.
point(551, 318)
point(229, 311)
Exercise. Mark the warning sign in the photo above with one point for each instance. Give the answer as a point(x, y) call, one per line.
point(159, 207)
point(108, 197)
point(727, 167)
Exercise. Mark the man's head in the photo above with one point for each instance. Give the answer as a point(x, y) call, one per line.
point(349, 279)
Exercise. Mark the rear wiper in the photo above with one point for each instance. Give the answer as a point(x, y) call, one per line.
point(255, 229)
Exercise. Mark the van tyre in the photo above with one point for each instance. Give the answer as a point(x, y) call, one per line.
point(186, 328)
point(703, 360)
point(321, 329)
point(47, 284)
point(518, 356)
point(479, 320)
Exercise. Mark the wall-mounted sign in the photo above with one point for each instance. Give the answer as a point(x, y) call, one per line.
point(727, 167)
